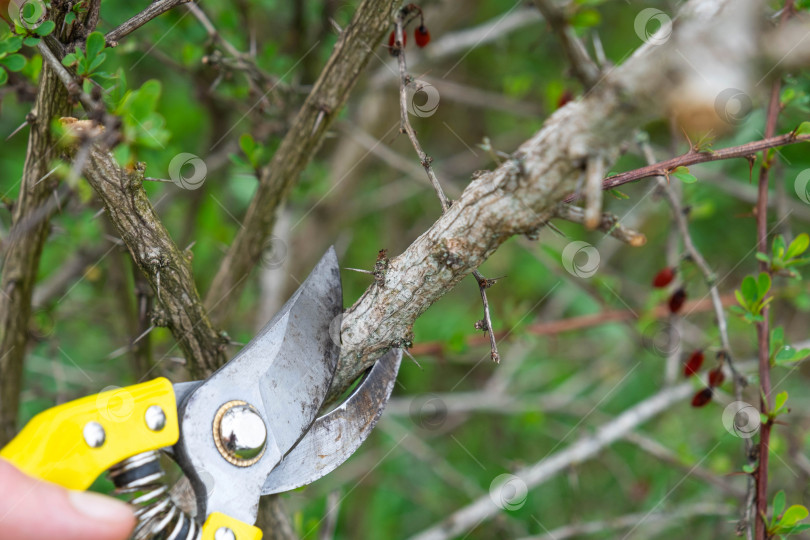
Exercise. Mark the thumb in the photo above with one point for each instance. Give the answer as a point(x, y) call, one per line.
point(31, 509)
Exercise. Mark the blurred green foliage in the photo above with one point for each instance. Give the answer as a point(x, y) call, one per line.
point(173, 98)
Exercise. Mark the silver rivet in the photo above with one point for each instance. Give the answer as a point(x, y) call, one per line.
point(239, 433)
point(224, 533)
point(155, 418)
point(93, 434)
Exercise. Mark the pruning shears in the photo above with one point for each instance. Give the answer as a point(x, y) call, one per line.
point(250, 429)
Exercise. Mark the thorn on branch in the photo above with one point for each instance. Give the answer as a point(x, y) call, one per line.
point(486, 323)
point(381, 266)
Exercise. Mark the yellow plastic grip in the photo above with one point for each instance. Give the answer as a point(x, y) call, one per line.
point(240, 529)
point(52, 446)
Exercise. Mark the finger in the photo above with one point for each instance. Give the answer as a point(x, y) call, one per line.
point(31, 509)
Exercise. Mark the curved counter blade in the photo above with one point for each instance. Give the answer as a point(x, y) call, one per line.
point(337, 435)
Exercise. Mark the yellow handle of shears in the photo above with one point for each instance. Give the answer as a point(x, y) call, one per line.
point(72, 444)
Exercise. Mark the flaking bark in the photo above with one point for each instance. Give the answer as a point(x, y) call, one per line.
point(165, 266)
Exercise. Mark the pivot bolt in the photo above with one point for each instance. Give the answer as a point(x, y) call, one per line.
point(239, 433)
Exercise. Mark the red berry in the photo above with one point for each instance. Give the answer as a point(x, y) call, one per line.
point(716, 377)
point(565, 97)
point(421, 35)
point(663, 278)
point(702, 397)
point(677, 300)
point(692, 365)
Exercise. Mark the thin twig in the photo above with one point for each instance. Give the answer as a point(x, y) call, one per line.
point(405, 123)
point(584, 68)
point(763, 327)
point(570, 324)
point(710, 277)
point(73, 87)
point(485, 508)
point(607, 223)
point(672, 517)
point(406, 127)
point(154, 10)
point(708, 274)
point(663, 168)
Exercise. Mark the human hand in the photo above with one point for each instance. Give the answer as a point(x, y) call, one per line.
point(31, 509)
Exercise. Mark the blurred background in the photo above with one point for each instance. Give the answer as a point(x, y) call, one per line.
point(576, 351)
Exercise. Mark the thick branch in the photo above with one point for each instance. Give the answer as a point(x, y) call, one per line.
point(166, 267)
point(351, 54)
point(30, 226)
point(521, 194)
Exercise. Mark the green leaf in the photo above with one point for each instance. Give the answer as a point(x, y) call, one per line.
point(95, 44)
point(585, 18)
point(763, 285)
point(778, 246)
point(803, 129)
point(793, 515)
point(683, 174)
point(45, 28)
point(3, 76)
point(69, 59)
point(778, 335)
point(14, 62)
point(777, 339)
point(11, 44)
point(748, 468)
point(141, 102)
point(247, 144)
point(798, 246)
point(778, 504)
point(780, 400)
point(749, 291)
point(70, 17)
point(31, 41)
point(794, 528)
point(798, 262)
point(762, 257)
point(97, 61)
point(788, 355)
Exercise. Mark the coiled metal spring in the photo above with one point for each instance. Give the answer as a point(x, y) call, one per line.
point(158, 516)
